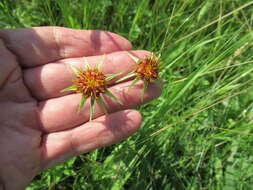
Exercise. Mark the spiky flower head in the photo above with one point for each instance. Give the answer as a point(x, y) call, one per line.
point(91, 83)
point(146, 69)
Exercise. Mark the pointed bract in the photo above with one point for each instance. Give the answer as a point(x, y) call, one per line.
point(86, 64)
point(111, 76)
point(114, 98)
point(75, 70)
point(136, 59)
point(128, 76)
point(70, 88)
point(145, 86)
point(100, 63)
point(134, 82)
point(92, 103)
point(102, 105)
point(83, 100)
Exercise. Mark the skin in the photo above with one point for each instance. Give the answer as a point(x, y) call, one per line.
point(39, 126)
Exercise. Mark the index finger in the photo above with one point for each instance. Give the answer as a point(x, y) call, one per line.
point(40, 45)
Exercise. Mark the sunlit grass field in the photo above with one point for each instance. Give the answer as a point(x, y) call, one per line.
point(199, 133)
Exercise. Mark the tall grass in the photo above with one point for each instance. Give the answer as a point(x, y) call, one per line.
point(198, 134)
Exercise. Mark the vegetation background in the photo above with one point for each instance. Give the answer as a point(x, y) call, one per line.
point(199, 133)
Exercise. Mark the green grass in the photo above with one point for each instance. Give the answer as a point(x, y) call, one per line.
point(199, 133)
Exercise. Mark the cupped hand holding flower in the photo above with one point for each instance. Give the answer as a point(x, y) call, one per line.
point(39, 125)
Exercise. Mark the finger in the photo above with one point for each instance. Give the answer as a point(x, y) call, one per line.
point(48, 80)
point(61, 113)
point(8, 63)
point(106, 130)
point(40, 45)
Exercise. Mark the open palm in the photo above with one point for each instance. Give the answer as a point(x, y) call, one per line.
point(39, 126)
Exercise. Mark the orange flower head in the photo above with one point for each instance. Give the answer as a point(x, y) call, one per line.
point(90, 82)
point(147, 69)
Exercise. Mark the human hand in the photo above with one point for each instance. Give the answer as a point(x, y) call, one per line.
point(39, 126)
